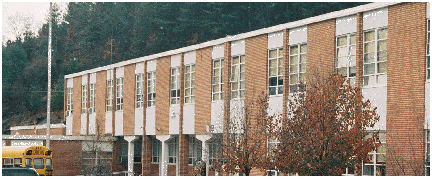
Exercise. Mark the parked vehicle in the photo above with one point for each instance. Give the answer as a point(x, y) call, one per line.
point(19, 172)
point(37, 157)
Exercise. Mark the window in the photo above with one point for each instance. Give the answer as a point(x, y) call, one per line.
point(119, 94)
point(48, 162)
point(92, 98)
point(428, 51)
point(237, 77)
point(214, 151)
point(217, 79)
point(84, 99)
point(109, 99)
point(189, 83)
point(375, 57)
point(427, 151)
point(194, 150)
point(69, 106)
point(18, 162)
point(28, 163)
point(151, 88)
point(297, 68)
point(175, 85)
point(172, 150)
point(156, 150)
point(346, 57)
point(275, 71)
point(272, 146)
point(7, 162)
point(139, 92)
point(38, 163)
point(377, 165)
point(273, 173)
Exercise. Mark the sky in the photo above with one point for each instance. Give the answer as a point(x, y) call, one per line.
point(19, 16)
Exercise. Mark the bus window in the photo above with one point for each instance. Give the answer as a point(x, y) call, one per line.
point(28, 162)
point(38, 163)
point(7, 163)
point(18, 162)
point(49, 163)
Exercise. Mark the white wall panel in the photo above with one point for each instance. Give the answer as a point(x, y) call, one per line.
point(217, 115)
point(174, 123)
point(375, 18)
point(92, 123)
point(150, 121)
point(218, 51)
point(427, 105)
point(238, 47)
point(275, 40)
point(93, 78)
point(83, 130)
point(110, 74)
point(151, 65)
point(139, 67)
point(190, 57)
point(237, 114)
point(108, 122)
point(346, 25)
point(26, 142)
point(69, 121)
point(378, 98)
point(175, 60)
point(119, 72)
point(298, 35)
point(275, 105)
point(118, 123)
point(139, 117)
point(428, 11)
point(70, 83)
point(84, 79)
point(189, 119)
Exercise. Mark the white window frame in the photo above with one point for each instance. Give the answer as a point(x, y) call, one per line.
point(278, 73)
point(92, 107)
point(375, 76)
point(175, 86)
point(109, 97)
point(84, 99)
point(195, 149)
point(427, 152)
point(139, 90)
point(69, 105)
point(151, 88)
point(217, 79)
point(296, 74)
point(119, 94)
point(173, 151)
point(346, 57)
point(237, 79)
point(189, 84)
point(381, 151)
point(156, 151)
point(214, 151)
point(428, 52)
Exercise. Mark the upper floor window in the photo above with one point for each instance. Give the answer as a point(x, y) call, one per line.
point(109, 97)
point(92, 98)
point(275, 71)
point(375, 57)
point(428, 51)
point(346, 57)
point(217, 79)
point(139, 95)
point(151, 88)
point(189, 83)
point(297, 68)
point(175, 85)
point(119, 94)
point(238, 77)
point(69, 105)
point(194, 149)
point(84, 99)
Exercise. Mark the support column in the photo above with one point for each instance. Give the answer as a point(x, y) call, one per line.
point(130, 140)
point(204, 154)
point(164, 155)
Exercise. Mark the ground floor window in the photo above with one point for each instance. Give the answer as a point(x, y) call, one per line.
point(427, 151)
point(195, 147)
point(214, 151)
point(156, 150)
point(172, 150)
point(273, 173)
point(377, 164)
point(96, 158)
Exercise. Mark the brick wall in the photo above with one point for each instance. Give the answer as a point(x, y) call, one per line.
point(100, 101)
point(359, 50)
point(321, 44)
point(203, 89)
point(285, 72)
point(77, 94)
point(66, 157)
point(405, 87)
point(163, 78)
point(129, 100)
point(256, 66)
point(171, 170)
point(146, 156)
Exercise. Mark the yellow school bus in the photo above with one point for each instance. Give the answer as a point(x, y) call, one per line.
point(37, 157)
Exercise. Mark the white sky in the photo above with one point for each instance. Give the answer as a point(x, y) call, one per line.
point(17, 15)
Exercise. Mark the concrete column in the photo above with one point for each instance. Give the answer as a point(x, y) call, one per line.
point(204, 155)
point(164, 155)
point(130, 140)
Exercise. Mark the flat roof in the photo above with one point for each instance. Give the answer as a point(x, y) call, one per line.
point(276, 28)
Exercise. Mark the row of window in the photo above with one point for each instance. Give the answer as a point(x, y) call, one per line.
point(37, 163)
point(374, 72)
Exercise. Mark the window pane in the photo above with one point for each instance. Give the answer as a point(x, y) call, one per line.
point(352, 50)
point(272, 91)
point(272, 63)
point(368, 170)
point(235, 60)
point(303, 48)
point(48, 163)
point(273, 53)
point(242, 85)
point(382, 45)
point(303, 58)
point(369, 69)
point(293, 60)
point(38, 163)
point(242, 59)
point(353, 39)
point(352, 71)
point(273, 72)
point(382, 67)
point(302, 67)
point(369, 58)
point(280, 81)
point(382, 33)
point(369, 47)
point(294, 79)
point(369, 36)
point(293, 68)
point(273, 81)
point(294, 50)
point(280, 90)
point(341, 41)
point(343, 51)
point(342, 71)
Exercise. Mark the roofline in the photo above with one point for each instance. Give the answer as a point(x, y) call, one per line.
point(59, 137)
point(290, 25)
point(44, 126)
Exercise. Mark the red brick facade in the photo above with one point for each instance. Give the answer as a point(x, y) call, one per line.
point(77, 98)
point(100, 101)
point(203, 84)
point(163, 75)
point(129, 100)
point(321, 47)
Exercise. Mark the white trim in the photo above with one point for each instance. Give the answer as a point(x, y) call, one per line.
point(175, 60)
point(38, 127)
point(218, 51)
point(190, 57)
point(57, 137)
point(331, 15)
point(139, 68)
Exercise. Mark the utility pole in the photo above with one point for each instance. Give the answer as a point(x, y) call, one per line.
point(49, 78)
